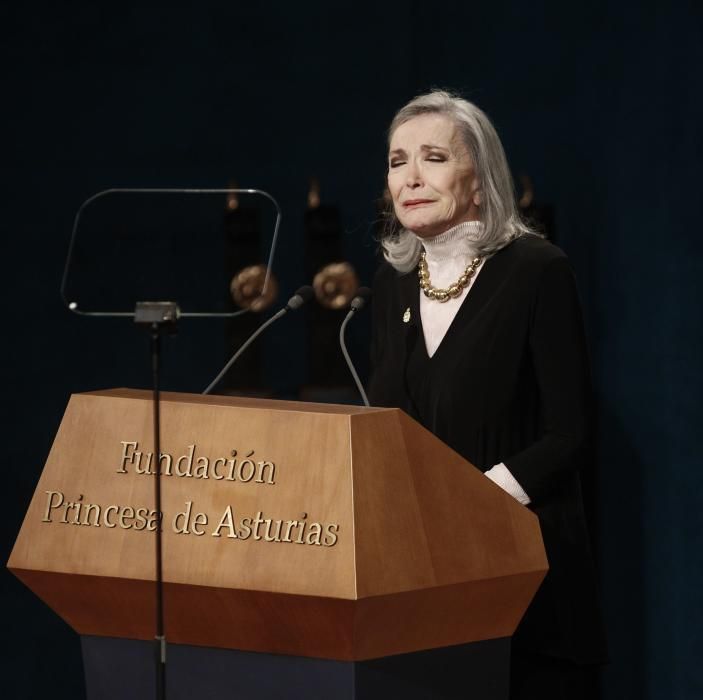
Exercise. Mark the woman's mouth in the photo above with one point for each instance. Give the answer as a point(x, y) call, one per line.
point(416, 202)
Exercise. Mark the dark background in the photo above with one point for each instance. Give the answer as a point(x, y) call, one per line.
point(600, 103)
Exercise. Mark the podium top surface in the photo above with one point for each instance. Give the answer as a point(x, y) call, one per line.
point(239, 402)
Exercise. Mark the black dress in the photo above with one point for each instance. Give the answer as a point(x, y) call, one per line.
point(509, 383)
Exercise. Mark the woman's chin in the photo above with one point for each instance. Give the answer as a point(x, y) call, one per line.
point(420, 225)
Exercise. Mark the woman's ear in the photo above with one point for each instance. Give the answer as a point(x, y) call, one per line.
point(476, 195)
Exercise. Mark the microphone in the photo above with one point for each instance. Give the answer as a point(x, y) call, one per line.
point(302, 295)
point(363, 295)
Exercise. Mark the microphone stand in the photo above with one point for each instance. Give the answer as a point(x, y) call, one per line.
point(302, 295)
point(158, 318)
point(357, 303)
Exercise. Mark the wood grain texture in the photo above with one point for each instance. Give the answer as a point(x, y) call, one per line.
point(428, 553)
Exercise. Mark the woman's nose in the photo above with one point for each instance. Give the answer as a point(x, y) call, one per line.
point(413, 176)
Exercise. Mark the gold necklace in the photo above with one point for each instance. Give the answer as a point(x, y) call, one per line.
point(453, 290)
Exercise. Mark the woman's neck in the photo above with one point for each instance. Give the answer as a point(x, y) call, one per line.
point(458, 241)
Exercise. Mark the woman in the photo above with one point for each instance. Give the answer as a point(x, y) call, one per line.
point(478, 335)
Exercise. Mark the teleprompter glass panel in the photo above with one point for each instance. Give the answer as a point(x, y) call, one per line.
point(184, 246)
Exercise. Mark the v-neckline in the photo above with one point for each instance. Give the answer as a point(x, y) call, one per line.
point(475, 296)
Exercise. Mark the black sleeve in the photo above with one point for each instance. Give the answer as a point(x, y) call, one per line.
point(560, 360)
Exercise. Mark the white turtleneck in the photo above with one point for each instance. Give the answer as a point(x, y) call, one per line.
point(447, 256)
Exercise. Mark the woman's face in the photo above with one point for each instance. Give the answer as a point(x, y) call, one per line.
point(430, 176)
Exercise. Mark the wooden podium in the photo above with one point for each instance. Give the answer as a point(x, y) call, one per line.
point(342, 536)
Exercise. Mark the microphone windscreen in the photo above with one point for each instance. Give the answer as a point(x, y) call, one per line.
point(302, 295)
point(363, 294)
point(306, 292)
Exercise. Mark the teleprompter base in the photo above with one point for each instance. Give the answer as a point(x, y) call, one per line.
point(122, 668)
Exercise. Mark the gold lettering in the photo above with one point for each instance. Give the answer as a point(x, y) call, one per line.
point(257, 521)
point(302, 529)
point(91, 507)
point(251, 473)
point(267, 534)
point(50, 504)
point(185, 516)
point(226, 521)
point(154, 520)
point(140, 516)
point(106, 515)
point(200, 519)
point(127, 457)
point(126, 513)
point(289, 525)
point(215, 473)
point(245, 530)
point(149, 463)
point(169, 461)
point(314, 530)
point(77, 516)
point(201, 468)
point(331, 535)
point(188, 457)
point(271, 473)
point(66, 507)
point(232, 466)
point(147, 468)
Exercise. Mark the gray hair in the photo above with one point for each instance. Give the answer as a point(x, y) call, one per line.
point(497, 212)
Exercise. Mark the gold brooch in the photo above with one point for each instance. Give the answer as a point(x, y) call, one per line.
point(406, 315)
